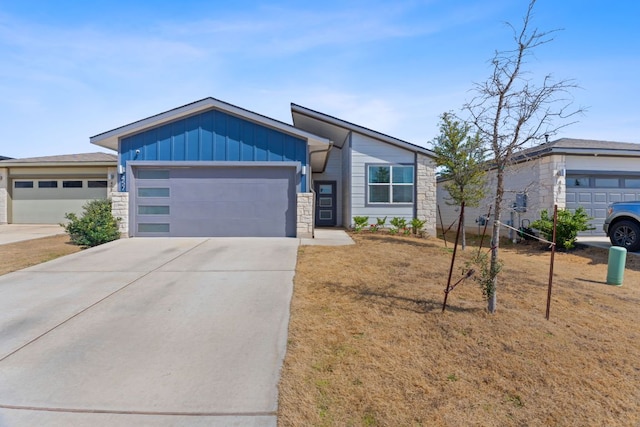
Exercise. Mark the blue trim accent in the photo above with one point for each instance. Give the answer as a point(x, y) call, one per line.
point(213, 136)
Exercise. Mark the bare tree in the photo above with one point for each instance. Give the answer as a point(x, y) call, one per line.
point(512, 111)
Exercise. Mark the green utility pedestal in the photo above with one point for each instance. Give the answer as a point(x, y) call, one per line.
point(615, 270)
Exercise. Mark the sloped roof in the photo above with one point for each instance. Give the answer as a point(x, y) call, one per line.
point(337, 129)
point(5, 158)
point(580, 147)
point(110, 138)
point(80, 158)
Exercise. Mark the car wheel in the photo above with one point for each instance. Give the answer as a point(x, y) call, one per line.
point(626, 234)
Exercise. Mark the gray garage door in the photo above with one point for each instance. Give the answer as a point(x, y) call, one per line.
point(213, 201)
point(46, 200)
point(595, 192)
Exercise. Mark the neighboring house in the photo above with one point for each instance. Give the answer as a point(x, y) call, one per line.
point(568, 172)
point(5, 158)
point(40, 190)
point(210, 168)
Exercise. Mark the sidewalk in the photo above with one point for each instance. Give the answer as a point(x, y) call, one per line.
point(10, 233)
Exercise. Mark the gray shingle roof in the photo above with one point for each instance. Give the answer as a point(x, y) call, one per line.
point(66, 158)
point(579, 146)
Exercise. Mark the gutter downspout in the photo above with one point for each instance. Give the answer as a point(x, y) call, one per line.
point(324, 167)
point(323, 150)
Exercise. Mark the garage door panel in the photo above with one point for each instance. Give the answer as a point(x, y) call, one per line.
point(222, 201)
point(49, 205)
point(600, 198)
point(584, 197)
point(615, 197)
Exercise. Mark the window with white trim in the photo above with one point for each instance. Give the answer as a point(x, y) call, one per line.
point(389, 184)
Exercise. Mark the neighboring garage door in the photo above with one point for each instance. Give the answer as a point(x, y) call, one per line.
point(213, 201)
point(595, 192)
point(45, 201)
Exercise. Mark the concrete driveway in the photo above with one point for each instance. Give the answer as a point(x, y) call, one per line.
point(10, 233)
point(148, 332)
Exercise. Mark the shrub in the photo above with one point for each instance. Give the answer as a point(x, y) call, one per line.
point(379, 224)
point(568, 226)
point(399, 224)
point(360, 222)
point(96, 225)
point(417, 225)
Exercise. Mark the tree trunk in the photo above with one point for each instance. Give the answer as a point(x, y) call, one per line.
point(492, 300)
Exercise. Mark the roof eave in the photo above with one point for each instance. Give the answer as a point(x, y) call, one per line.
point(110, 138)
point(59, 164)
point(299, 109)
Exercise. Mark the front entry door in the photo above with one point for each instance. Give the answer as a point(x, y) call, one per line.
point(325, 203)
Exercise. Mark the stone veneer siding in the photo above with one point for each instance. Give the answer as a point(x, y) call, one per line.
point(4, 196)
point(120, 209)
point(304, 223)
point(426, 192)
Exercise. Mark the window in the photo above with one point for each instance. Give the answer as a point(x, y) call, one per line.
point(153, 210)
point(47, 184)
point(23, 184)
point(577, 181)
point(71, 184)
point(97, 184)
point(153, 192)
point(607, 183)
point(153, 174)
point(153, 228)
point(390, 184)
point(632, 183)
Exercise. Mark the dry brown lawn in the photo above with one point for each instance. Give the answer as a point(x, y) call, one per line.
point(369, 346)
point(19, 255)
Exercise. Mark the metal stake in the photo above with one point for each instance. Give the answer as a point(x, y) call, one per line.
point(553, 252)
point(453, 259)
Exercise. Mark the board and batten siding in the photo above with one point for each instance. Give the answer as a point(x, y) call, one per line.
point(213, 136)
point(366, 150)
point(333, 172)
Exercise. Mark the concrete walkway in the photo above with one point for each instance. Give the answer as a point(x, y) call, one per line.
point(10, 233)
point(149, 332)
point(328, 237)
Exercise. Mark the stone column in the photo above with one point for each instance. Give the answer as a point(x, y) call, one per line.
point(426, 201)
point(4, 195)
point(304, 223)
point(112, 181)
point(120, 209)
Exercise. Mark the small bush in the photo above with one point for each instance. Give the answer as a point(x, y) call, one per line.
point(398, 225)
point(96, 225)
point(360, 222)
point(417, 225)
point(568, 226)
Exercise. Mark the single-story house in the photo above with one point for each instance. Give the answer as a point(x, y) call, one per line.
point(568, 172)
point(40, 190)
point(210, 168)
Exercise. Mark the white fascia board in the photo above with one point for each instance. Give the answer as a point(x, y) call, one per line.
point(596, 152)
point(110, 139)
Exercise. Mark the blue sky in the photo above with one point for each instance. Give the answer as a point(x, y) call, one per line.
point(72, 69)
